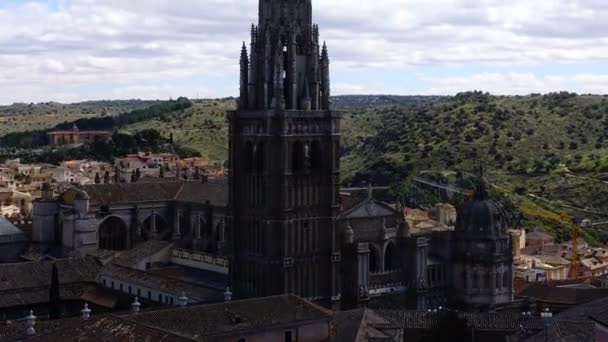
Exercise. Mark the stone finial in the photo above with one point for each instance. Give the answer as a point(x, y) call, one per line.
point(228, 295)
point(349, 234)
point(86, 312)
point(30, 321)
point(183, 300)
point(135, 306)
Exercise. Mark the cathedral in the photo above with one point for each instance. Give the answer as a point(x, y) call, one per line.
point(282, 222)
point(285, 160)
point(292, 233)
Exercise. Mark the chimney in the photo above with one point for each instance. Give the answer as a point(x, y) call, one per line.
point(30, 321)
point(228, 295)
point(86, 312)
point(135, 306)
point(183, 300)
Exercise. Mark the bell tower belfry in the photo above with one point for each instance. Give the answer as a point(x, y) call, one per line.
point(285, 160)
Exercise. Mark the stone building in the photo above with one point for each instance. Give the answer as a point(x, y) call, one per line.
point(290, 234)
point(118, 216)
point(285, 160)
point(76, 136)
point(12, 241)
point(280, 221)
point(482, 257)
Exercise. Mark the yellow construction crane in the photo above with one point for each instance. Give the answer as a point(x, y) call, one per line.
point(574, 232)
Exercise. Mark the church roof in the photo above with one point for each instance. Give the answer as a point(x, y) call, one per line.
point(563, 295)
point(196, 293)
point(490, 321)
point(184, 191)
point(358, 325)
point(140, 252)
point(9, 229)
point(193, 323)
point(27, 283)
point(369, 208)
point(104, 328)
point(207, 321)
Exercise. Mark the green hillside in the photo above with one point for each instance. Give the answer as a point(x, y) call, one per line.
point(21, 117)
point(547, 153)
point(201, 127)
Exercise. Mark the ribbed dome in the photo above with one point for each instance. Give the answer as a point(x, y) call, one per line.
point(481, 216)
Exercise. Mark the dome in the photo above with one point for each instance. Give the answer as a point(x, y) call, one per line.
point(481, 216)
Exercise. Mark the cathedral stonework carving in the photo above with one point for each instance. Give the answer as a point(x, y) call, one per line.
point(284, 146)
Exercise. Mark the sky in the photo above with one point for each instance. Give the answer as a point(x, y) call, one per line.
point(75, 50)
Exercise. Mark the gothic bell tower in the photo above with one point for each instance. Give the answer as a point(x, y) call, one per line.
point(285, 160)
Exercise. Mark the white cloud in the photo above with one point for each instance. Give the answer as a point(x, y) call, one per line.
point(73, 48)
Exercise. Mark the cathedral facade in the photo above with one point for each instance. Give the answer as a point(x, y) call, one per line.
point(282, 220)
point(285, 160)
point(291, 233)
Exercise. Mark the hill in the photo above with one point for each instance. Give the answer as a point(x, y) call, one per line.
point(547, 154)
point(21, 117)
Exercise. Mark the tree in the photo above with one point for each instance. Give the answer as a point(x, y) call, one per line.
point(97, 178)
point(55, 305)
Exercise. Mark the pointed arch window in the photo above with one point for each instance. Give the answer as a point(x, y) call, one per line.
point(248, 157)
point(299, 45)
point(315, 156)
point(260, 157)
point(298, 157)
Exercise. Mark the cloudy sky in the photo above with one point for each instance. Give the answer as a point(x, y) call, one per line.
point(73, 50)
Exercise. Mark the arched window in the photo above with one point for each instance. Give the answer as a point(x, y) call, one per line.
point(248, 157)
point(389, 258)
point(113, 234)
point(260, 157)
point(316, 160)
point(298, 157)
point(374, 265)
point(299, 46)
point(155, 227)
point(475, 280)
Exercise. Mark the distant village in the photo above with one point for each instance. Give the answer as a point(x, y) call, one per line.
point(20, 183)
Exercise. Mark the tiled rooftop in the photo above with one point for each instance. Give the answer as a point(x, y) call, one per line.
point(244, 315)
point(183, 191)
point(196, 293)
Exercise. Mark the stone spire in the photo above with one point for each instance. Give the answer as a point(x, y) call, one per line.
point(306, 100)
point(325, 86)
point(481, 193)
point(244, 78)
point(284, 53)
point(349, 234)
